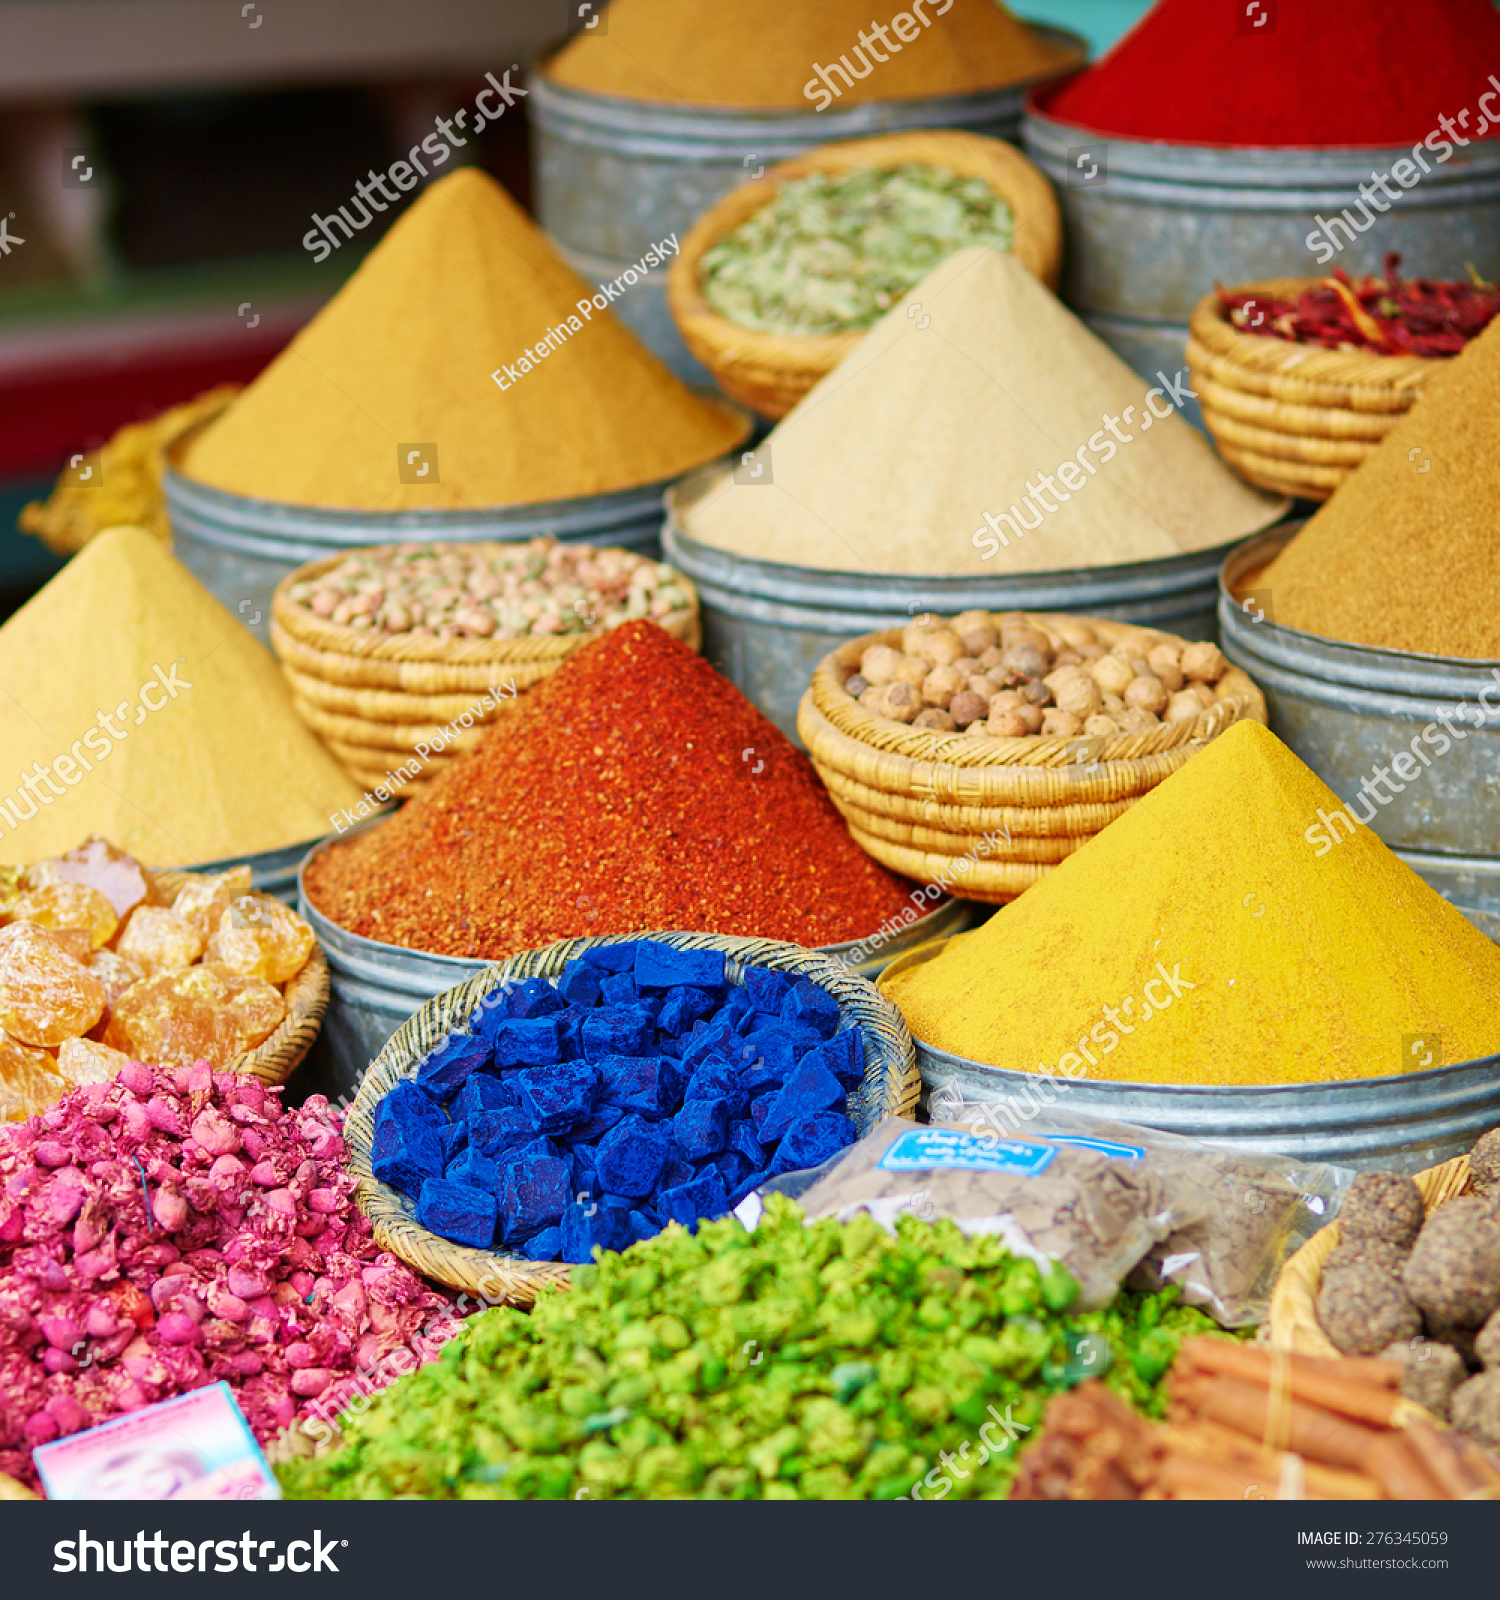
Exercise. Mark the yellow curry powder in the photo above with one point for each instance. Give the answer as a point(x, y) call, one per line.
point(402, 359)
point(134, 705)
point(1202, 939)
point(768, 52)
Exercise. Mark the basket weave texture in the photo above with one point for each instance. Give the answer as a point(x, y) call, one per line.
point(890, 1089)
point(1295, 418)
point(374, 697)
point(988, 818)
point(275, 1057)
point(771, 372)
point(1294, 1302)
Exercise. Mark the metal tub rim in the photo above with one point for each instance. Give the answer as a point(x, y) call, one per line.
point(666, 128)
point(1314, 659)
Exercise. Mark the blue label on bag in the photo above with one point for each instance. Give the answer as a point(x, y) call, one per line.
point(1105, 1147)
point(926, 1148)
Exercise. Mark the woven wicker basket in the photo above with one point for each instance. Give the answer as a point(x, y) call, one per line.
point(771, 372)
point(306, 995)
point(1294, 417)
point(1294, 1314)
point(929, 805)
point(890, 1089)
point(373, 698)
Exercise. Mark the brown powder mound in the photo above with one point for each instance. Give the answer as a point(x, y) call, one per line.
point(636, 789)
point(765, 53)
point(462, 284)
point(1406, 555)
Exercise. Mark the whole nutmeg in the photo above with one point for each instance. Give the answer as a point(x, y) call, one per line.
point(915, 631)
point(1006, 725)
point(872, 697)
point(1113, 705)
point(977, 640)
point(878, 664)
point(940, 686)
point(1024, 659)
point(1166, 654)
point(1055, 680)
point(1134, 720)
point(1111, 673)
point(1146, 694)
point(1067, 658)
point(1101, 727)
point(1007, 700)
point(1169, 676)
point(1037, 693)
point(1077, 633)
point(1081, 696)
point(1137, 644)
point(1024, 634)
point(968, 621)
point(1060, 725)
point(990, 658)
point(856, 685)
point(966, 666)
point(983, 683)
point(941, 647)
point(968, 707)
point(912, 670)
point(1032, 716)
point(935, 719)
point(1184, 706)
point(1203, 663)
point(900, 702)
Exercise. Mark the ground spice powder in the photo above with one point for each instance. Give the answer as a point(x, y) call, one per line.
point(155, 718)
point(1318, 72)
point(1202, 939)
point(463, 284)
point(924, 450)
point(1403, 556)
point(635, 789)
point(767, 52)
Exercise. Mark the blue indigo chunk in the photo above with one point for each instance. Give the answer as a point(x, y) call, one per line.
point(558, 1098)
point(715, 1080)
point(618, 1031)
point(411, 1107)
point(590, 1132)
point(483, 1091)
point(476, 1170)
point(648, 1084)
point(732, 1168)
point(704, 1196)
point(717, 1039)
point(528, 1042)
point(810, 1089)
point(457, 1212)
point(536, 1193)
point(403, 1159)
point(843, 1055)
point(492, 1133)
point(629, 1158)
point(811, 1007)
point(810, 1142)
point(738, 1012)
point(676, 1173)
point(534, 998)
point(661, 966)
point(642, 1227)
point(683, 1007)
point(444, 1069)
point(618, 989)
point(579, 984)
point(612, 957)
point(543, 1246)
point(767, 989)
point(593, 1223)
point(453, 1138)
point(744, 1140)
point(701, 1128)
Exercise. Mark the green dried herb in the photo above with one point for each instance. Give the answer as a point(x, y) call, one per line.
point(832, 253)
point(825, 1362)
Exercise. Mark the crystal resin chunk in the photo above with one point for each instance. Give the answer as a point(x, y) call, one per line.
point(159, 940)
point(119, 877)
point(203, 900)
point(28, 1083)
point(68, 905)
point(262, 938)
point(45, 995)
point(81, 1061)
point(173, 1018)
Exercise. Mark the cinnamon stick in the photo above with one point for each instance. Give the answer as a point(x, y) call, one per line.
point(1321, 1385)
point(1219, 1443)
point(1312, 1433)
point(1398, 1469)
point(1439, 1455)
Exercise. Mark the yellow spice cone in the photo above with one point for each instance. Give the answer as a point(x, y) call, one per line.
point(1210, 935)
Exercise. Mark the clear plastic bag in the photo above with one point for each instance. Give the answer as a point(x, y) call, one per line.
point(1239, 1216)
point(1048, 1201)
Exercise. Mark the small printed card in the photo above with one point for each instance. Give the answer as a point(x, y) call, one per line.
point(195, 1447)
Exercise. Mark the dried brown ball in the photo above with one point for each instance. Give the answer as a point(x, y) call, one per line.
point(1378, 1253)
point(1364, 1310)
point(968, 707)
point(1453, 1272)
point(1036, 693)
point(1382, 1205)
point(856, 685)
point(1475, 1408)
point(1484, 1163)
point(935, 720)
point(1024, 660)
point(1461, 1339)
point(1430, 1372)
point(1487, 1342)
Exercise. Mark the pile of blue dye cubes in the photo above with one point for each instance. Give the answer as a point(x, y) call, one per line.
point(639, 1087)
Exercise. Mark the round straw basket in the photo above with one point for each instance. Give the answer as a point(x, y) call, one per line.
point(1294, 1302)
point(1295, 418)
point(986, 818)
point(890, 1089)
point(306, 995)
point(771, 372)
point(380, 701)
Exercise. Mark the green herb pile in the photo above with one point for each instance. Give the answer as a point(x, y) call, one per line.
point(833, 253)
point(825, 1362)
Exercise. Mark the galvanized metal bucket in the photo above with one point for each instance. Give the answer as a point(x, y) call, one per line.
point(1402, 1123)
point(375, 987)
point(767, 625)
point(1149, 227)
point(1348, 710)
point(240, 548)
point(614, 177)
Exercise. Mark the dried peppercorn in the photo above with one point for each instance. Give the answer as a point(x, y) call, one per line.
point(635, 789)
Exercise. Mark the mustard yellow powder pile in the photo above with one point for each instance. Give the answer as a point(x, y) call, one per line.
point(1202, 939)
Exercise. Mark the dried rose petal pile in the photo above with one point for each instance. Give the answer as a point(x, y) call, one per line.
point(251, 1265)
